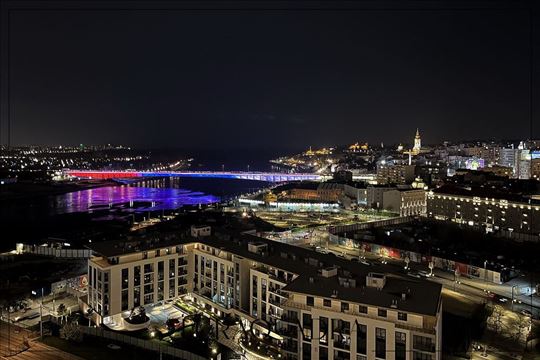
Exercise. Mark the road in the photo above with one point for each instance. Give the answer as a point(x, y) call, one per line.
point(475, 288)
point(17, 343)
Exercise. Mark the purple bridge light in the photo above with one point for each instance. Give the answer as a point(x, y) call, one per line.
point(258, 176)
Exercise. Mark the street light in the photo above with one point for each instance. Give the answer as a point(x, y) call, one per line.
point(485, 272)
point(513, 286)
point(40, 313)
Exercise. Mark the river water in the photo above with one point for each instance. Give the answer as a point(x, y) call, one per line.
point(31, 220)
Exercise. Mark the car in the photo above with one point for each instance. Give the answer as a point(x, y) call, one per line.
point(114, 347)
point(174, 324)
point(423, 273)
point(502, 299)
point(526, 312)
point(365, 262)
point(413, 274)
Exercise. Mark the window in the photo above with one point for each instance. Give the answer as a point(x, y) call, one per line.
point(382, 312)
point(423, 343)
point(306, 351)
point(401, 340)
point(323, 353)
point(344, 306)
point(136, 296)
point(421, 356)
point(402, 316)
point(310, 301)
point(160, 270)
point(125, 304)
point(362, 309)
point(327, 302)
point(323, 330)
point(361, 339)
point(380, 343)
point(137, 276)
point(125, 278)
point(254, 286)
point(307, 324)
point(172, 284)
point(172, 267)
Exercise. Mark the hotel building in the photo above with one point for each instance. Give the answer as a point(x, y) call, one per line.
point(315, 306)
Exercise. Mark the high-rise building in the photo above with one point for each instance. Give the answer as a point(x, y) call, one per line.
point(395, 174)
point(508, 157)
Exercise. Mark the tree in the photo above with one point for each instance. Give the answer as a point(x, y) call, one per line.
point(71, 331)
point(61, 311)
point(521, 325)
point(496, 317)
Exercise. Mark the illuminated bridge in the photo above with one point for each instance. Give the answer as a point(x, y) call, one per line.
point(259, 176)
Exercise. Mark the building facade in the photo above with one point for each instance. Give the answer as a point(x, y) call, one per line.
point(466, 207)
point(395, 174)
point(405, 202)
point(315, 306)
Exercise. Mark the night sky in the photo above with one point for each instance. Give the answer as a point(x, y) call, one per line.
point(268, 78)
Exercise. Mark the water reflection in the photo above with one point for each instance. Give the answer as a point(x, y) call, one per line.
point(130, 198)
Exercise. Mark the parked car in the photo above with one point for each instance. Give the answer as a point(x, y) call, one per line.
point(174, 324)
point(526, 312)
point(321, 250)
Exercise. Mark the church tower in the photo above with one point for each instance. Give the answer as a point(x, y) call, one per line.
point(417, 142)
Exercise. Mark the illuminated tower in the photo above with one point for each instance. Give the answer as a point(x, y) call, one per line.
point(417, 142)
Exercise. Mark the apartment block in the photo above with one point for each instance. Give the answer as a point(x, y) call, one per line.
point(314, 306)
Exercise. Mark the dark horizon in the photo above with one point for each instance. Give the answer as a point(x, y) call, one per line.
point(229, 79)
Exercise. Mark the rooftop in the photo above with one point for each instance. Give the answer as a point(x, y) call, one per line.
point(423, 296)
point(483, 192)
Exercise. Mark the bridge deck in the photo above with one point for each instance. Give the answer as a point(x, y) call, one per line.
point(258, 176)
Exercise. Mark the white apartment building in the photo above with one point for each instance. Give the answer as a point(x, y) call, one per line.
point(405, 202)
point(315, 306)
